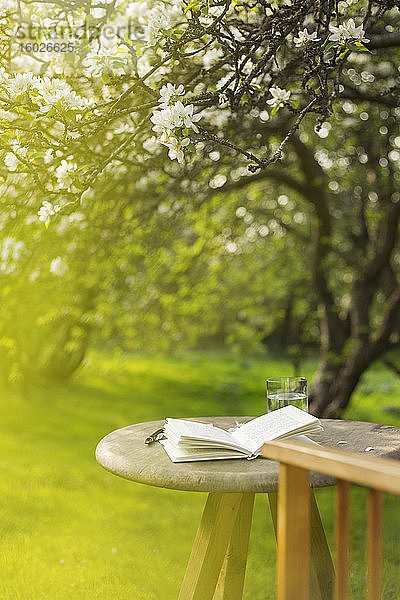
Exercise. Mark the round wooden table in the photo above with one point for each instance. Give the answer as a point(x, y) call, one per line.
point(218, 559)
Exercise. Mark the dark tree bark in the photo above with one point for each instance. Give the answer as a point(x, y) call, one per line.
point(349, 345)
point(350, 342)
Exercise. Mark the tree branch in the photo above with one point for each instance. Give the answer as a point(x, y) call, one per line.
point(265, 162)
point(390, 365)
point(385, 40)
point(351, 93)
point(381, 339)
point(388, 236)
point(276, 174)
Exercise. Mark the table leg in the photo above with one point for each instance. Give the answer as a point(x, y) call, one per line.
point(231, 579)
point(210, 546)
point(322, 569)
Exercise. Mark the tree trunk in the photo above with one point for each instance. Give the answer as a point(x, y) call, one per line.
point(337, 378)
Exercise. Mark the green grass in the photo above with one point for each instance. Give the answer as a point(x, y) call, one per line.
point(70, 530)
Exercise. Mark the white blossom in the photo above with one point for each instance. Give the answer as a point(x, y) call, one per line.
point(43, 91)
point(11, 158)
point(356, 32)
point(339, 34)
point(279, 97)
point(109, 40)
point(176, 148)
point(10, 252)
point(168, 121)
point(6, 115)
point(174, 116)
point(184, 116)
point(304, 38)
point(164, 119)
point(57, 91)
point(247, 67)
point(25, 63)
point(18, 149)
point(139, 11)
point(97, 13)
point(211, 57)
point(47, 210)
point(58, 266)
point(11, 161)
point(48, 156)
point(65, 173)
point(114, 59)
point(4, 76)
point(57, 66)
point(153, 31)
point(150, 144)
point(346, 32)
point(19, 84)
point(7, 6)
point(143, 66)
point(170, 92)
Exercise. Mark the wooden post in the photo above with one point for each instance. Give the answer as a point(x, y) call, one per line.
point(322, 571)
point(210, 546)
point(293, 576)
point(273, 507)
point(231, 580)
point(342, 530)
point(374, 545)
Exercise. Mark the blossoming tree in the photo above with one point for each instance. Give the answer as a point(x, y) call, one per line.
point(207, 99)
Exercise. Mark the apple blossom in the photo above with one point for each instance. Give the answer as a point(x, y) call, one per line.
point(346, 32)
point(170, 92)
point(11, 161)
point(47, 210)
point(65, 174)
point(304, 38)
point(279, 97)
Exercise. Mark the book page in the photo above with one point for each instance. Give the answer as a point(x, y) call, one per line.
point(274, 425)
point(183, 454)
point(180, 432)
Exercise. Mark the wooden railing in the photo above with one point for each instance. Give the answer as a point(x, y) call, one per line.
point(293, 531)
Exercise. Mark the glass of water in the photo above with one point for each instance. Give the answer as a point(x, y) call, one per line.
point(284, 391)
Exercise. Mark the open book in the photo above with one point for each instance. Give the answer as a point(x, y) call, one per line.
point(191, 441)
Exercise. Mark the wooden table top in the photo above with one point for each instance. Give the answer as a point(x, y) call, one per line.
point(124, 453)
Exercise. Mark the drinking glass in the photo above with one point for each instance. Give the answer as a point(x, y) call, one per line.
point(283, 391)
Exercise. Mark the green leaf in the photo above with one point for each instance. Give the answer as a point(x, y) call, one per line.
point(190, 6)
point(139, 49)
point(351, 46)
point(331, 45)
point(78, 184)
point(361, 47)
point(274, 110)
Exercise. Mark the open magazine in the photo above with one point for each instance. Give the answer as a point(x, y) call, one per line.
point(192, 441)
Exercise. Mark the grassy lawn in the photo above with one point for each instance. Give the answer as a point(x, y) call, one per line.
point(70, 530)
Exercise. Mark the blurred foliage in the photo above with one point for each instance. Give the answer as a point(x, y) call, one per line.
point(149, 254)
point(164, 282)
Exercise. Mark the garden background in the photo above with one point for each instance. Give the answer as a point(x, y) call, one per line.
point(195, 196)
